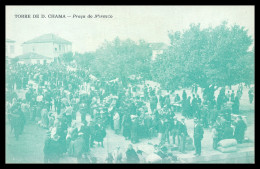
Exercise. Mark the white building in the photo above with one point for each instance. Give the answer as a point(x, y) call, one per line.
point(157, 48)
point(33, 58)
point(48, 45)
point(9, 48)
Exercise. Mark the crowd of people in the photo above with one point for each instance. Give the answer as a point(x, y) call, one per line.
point(76, 108)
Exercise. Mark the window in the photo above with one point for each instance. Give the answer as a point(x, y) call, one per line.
point(59, 47)
point(12, 49)
point(55, 49)
point(33, 49)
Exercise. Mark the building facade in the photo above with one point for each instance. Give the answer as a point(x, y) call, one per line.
point(157, 49)
point(9, 48)
point(34, 58)
point(48, 45)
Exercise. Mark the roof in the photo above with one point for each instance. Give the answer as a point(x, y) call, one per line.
point(31, 55)
point(158, 46)
point(9, 40)
point(48, 38)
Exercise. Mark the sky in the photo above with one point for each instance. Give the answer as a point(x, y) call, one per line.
point(150, 23)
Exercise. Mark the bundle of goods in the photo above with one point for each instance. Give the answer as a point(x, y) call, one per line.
point(227, 146)
point(153, 158)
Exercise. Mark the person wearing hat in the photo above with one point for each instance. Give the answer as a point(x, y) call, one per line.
point(175, 130)
point(182, 134)
point(251, 95)
point(198, 135)
point(126, 124)
point(167, 130)
point(240, 128)
point(17, 120)
point(100, 134)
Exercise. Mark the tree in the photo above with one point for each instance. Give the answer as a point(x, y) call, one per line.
point(66, 57)
point(217, 56)
point(228, 49)
point(85, 59)
point(121, 58)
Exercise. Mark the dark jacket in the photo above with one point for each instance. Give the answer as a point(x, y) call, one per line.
point(228, 132)
point(198, 132)
point(161, 127)
point(183, 129)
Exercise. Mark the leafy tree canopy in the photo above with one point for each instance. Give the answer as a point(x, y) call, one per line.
point(207, 56)
point(122, 58)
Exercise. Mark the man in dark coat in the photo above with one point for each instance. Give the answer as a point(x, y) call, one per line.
point(126, 123)
point(187, 108)
point(177, 98)
point(153, 102)
point(17, 120)
point(100, 134)
point(161, 129)
point(184, 95)
point(235, 106)
point(240, 128)
point(220, 98)
point(182, 134)
point(198, 135)
point(228, 131)
point(194, 107)
point(175, 130)
point(251, 95)
point(134, 128)
point(167, 130)
point(86, 133)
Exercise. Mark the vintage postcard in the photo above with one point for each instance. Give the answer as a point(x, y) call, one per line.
point(130, 84)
